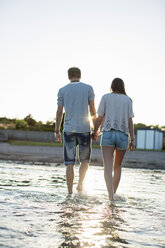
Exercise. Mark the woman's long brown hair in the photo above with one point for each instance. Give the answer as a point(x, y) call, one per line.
point(117, 86)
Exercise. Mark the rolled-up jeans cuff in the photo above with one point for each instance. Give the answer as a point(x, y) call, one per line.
point(69, 162)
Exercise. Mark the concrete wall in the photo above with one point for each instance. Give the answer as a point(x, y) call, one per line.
point(6, 135)
point(3, 135)
point(26, 135)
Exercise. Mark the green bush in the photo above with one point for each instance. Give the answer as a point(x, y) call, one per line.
point(20, 124)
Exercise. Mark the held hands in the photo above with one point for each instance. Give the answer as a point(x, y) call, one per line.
point(94, 136)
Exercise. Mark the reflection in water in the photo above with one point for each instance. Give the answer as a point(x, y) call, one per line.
point(84, 224)
point(35, 212)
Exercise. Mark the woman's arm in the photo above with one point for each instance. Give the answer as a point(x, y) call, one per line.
point(98, 123)
point(131, 132)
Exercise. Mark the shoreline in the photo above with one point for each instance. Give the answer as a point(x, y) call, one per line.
point(134, 159)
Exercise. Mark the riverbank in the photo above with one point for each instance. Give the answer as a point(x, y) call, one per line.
point(45, 154)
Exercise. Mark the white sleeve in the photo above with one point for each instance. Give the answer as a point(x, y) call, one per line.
point(60, 98)
point(91, 95)
point(130, 110)
point(101, 108)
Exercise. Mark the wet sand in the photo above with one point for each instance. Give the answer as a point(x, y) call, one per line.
point(135, 159)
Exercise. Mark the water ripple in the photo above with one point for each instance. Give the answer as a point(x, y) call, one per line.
point(35, 212)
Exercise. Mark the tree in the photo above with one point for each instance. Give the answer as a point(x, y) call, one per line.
point(139, 125)
point(30, 121)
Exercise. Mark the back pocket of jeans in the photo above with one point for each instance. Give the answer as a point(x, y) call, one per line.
point(123, 137)
point(107, 135)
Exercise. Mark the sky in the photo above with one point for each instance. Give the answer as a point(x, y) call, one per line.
point(41, 39)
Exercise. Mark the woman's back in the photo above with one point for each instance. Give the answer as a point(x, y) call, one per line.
point(117, 109)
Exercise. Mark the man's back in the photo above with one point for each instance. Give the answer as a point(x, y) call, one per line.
point(75, 98)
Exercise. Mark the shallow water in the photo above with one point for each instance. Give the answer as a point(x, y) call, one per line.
point(35, 210)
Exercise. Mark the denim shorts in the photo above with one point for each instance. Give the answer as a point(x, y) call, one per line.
point(71, 141)
point(115, 138)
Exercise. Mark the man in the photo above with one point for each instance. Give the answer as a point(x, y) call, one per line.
point(77, 99)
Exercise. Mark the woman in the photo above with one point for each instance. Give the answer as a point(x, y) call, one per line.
point(115, 112)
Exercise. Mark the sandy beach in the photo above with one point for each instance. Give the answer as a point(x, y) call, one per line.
point(135, 159)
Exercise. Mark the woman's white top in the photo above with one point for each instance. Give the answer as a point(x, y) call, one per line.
point(116, 109)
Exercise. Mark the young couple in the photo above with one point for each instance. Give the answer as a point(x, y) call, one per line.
point(114, 115)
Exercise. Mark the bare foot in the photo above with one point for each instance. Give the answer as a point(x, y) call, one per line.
point(69, 196)
point(79, 188)
point(112, 199)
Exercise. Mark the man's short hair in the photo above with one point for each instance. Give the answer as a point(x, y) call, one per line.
point(74, 72)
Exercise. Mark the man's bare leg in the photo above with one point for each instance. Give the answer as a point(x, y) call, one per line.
point(70, 177)
point(108, 167)
point(82, 172)
point(119, 155)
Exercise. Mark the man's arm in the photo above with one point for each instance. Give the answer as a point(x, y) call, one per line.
point(92, 110)
point(58, 123)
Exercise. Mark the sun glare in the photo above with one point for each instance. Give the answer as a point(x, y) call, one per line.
point(91, 123)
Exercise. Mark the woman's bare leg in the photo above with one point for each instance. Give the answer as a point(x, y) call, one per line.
point(108, 167)
point(118, 158)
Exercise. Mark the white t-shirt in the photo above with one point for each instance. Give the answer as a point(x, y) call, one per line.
point(116, 109)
